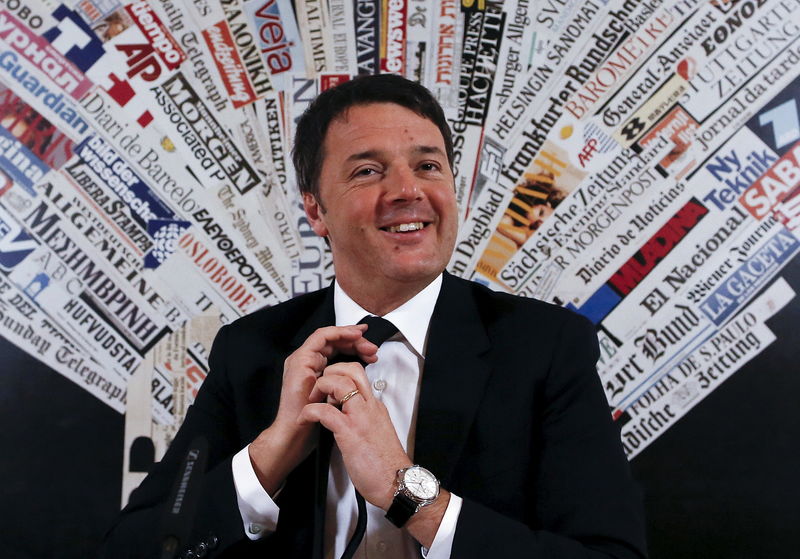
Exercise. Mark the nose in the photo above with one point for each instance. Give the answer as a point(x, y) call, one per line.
point(405, 186)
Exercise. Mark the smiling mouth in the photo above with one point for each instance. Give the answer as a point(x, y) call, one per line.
point(405, 227)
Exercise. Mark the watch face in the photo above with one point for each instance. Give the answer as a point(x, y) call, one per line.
point(421, 483)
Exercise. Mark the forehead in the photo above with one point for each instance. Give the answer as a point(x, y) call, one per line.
point(379, 123)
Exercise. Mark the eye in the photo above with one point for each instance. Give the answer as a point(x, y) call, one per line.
point(365, 172)
point(429, 166)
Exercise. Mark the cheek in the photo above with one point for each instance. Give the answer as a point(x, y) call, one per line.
point(449, 213)
point(444, 199)
point(360, 215)
point(354, 216)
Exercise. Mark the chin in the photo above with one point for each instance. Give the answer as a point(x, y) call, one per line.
point(416, 271)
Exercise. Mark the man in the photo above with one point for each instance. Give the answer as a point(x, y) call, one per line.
point(494, 395)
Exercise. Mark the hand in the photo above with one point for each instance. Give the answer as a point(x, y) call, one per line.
point(363, 430)
point(287, 442)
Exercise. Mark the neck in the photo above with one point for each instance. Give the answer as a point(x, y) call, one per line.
point(384, 298)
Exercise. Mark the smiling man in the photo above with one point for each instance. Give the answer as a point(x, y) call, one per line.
point(478, 428)
point(386, 202)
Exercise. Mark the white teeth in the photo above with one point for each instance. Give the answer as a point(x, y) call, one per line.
point(405, 227)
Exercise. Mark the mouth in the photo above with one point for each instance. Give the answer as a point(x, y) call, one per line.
point(409, 227)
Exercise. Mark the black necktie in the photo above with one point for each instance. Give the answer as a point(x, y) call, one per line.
point(378, 332)
point(379, 329)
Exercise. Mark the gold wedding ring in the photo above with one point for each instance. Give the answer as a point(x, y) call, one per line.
point(347, 397)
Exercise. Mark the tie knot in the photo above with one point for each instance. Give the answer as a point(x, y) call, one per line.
point(379, 329)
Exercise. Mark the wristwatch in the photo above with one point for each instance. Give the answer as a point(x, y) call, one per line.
point(416, 488)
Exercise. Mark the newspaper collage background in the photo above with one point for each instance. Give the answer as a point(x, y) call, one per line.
point(635, 160)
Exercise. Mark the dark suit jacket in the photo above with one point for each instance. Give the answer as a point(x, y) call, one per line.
point(511, 417)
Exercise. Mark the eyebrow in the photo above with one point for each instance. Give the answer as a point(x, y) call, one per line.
point(429, 149)
point(373, 153)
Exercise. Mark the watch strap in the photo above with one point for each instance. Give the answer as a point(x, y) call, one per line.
point(401, 509)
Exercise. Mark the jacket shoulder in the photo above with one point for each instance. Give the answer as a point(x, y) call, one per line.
point(498, 305)
point(279, 322)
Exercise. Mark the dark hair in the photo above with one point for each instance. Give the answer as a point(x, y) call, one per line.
point(312, 126)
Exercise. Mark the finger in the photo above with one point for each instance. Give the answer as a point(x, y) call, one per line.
point(349, 340)
point(330, 417)
point(353, 396)
point(334, 387)
point(354, 373)
point(312, 356)
point(360, 348)
point(313, 361)
point(366, 350)
point(328, 338)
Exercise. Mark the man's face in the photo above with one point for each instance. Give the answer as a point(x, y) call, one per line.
point(386, 197)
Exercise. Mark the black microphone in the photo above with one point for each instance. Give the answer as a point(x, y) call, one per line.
point(176, 525)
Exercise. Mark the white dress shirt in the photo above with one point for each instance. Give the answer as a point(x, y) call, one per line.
point(394, 378)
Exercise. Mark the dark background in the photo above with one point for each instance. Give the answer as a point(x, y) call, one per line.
point(721, 483)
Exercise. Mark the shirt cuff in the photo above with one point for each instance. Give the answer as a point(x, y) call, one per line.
point(259, 512)
point(443, 540)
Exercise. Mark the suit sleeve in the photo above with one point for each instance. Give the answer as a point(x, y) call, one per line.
point(137, 532)
point(584, 503)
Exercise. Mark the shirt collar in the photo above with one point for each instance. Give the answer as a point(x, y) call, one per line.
point(412, 318)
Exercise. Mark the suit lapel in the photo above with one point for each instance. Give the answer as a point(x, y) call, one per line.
point(321, 316)
point(306, 486)
point(456, 370)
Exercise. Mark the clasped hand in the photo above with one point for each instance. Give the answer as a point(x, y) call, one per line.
point(310, 395)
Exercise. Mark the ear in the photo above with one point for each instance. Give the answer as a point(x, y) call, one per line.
point(315, 214)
